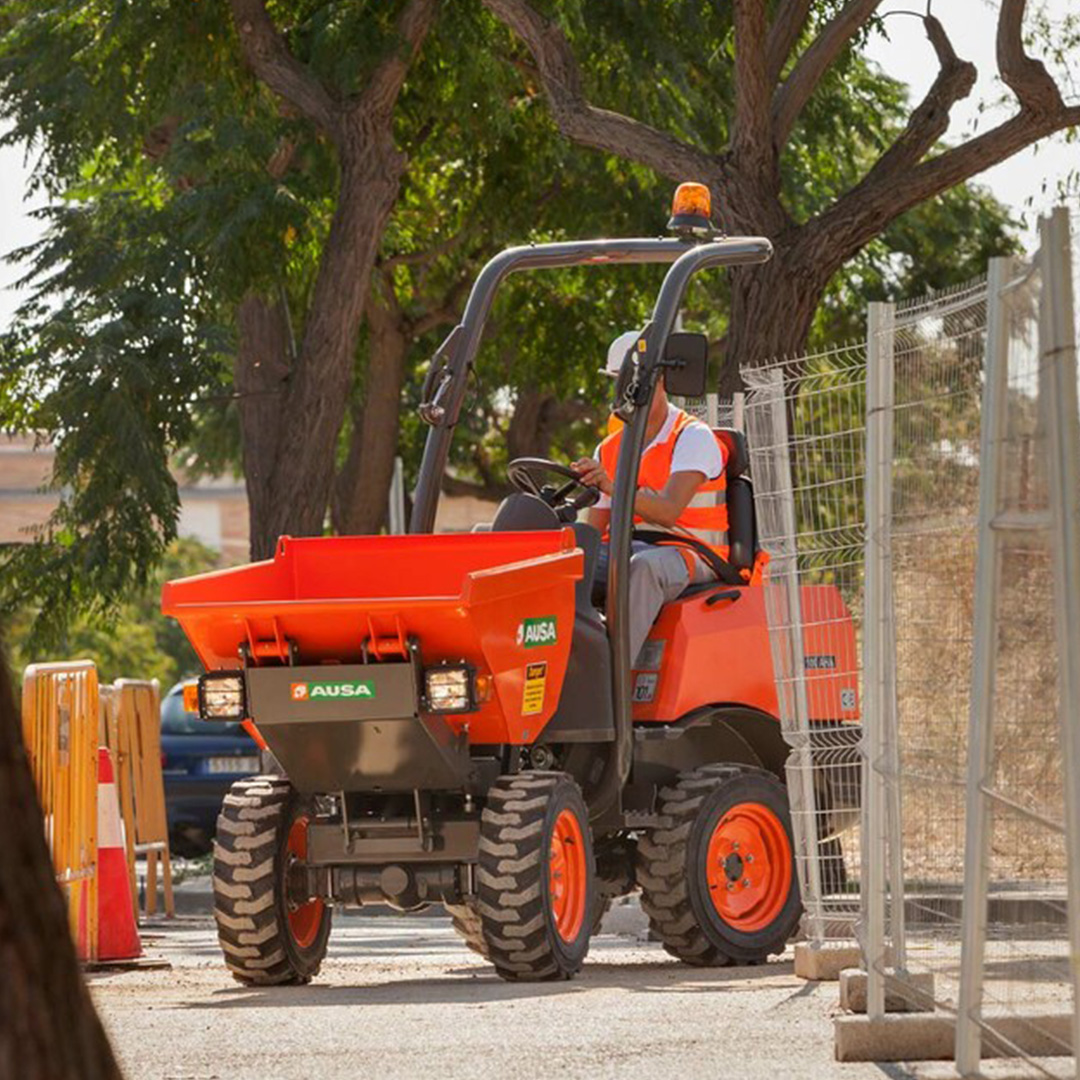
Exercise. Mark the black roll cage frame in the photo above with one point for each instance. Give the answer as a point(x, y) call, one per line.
point(444, 393)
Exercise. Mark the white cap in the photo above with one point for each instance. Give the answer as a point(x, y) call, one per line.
point(617, 351)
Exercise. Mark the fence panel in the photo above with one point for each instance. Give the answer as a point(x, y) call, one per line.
point(60, 728)
point(937, 346)
point(806, 432)
point(132, 711)
point(1018, 981)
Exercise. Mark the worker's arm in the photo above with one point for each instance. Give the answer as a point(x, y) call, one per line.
point(598, 519)
point(659, 507)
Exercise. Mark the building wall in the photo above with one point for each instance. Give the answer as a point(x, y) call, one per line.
point(213, 510)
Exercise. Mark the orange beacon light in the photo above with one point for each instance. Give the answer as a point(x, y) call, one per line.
point(691, 208)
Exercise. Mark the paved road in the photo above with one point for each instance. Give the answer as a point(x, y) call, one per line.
point(401, 997)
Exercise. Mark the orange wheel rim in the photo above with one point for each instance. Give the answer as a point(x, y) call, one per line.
point(567, 876)
point(748, 867)
point(305, 919)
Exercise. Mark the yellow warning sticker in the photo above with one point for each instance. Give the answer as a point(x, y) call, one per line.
point(532, 700)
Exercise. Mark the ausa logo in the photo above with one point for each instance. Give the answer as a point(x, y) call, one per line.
point(325, 691)
point(532, 633)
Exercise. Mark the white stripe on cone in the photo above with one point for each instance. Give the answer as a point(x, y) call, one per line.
point(109, 826)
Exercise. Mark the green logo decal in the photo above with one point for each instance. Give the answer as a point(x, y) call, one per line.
point(532, 633)
point(324, 691)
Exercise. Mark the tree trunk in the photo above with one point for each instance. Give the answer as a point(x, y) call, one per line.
point(318, 391)
point(48, 1027)
point(260, 375)
point(772, 311)
point(362, 488)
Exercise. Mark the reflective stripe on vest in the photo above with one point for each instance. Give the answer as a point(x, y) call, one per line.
point(706, 515)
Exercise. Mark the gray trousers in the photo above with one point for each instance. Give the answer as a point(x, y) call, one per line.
point(658, 575)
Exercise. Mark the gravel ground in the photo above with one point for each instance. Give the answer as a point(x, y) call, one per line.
point(401, 997)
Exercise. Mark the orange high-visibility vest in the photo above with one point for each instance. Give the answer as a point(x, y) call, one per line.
point(706, 516)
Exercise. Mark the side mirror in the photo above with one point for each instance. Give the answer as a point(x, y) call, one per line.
point(686, 365)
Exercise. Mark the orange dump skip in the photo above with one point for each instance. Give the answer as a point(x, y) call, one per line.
point(471, 596)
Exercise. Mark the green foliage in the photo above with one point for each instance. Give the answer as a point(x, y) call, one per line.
point(134, 641)
point(179, 184)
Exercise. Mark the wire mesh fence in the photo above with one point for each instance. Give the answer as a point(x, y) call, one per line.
point(915, 496)
point(1021, 948)
point(934, 350)
point(805, 427)
point(970, 762)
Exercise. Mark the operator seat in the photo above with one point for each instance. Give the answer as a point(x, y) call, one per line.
point(742, 521)
point(520, 512)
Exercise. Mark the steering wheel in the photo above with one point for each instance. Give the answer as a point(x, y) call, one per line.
point(526, 474)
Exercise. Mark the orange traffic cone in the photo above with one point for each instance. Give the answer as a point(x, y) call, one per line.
point(118, 937)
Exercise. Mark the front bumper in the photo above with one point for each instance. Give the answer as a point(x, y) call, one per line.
point(373, 736)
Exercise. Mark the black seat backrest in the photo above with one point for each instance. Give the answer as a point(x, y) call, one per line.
point(519, 512)
point(736, 452)
point(742, 524)
point(742, 520)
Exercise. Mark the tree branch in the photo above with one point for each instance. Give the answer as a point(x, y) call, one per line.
point(903, 177)
point(1025, 76)
point(784, 35)
point(586, 124)
point(930, 119)
point(273, 64)
point(382, 91)
point(448, 313)
point(791, 98)
point(751, 143)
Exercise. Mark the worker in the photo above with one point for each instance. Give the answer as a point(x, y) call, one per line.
point(680, 489)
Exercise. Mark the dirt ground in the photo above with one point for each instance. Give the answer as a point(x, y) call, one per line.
point(401, 997)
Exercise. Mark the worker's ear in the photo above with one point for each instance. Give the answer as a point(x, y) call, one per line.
point(686, 365)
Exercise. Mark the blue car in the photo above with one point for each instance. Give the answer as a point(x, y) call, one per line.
point(200, 759)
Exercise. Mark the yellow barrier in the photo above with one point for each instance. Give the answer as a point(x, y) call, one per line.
point(132, 722)
point(60, 728)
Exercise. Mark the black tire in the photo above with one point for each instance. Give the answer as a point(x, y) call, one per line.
point(251, 908)
point(466, 922)
point(516, 906)
point(675, 891)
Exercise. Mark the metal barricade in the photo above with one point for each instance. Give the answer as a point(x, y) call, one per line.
point(131, 713)
point(60, 727)
point(806, 431)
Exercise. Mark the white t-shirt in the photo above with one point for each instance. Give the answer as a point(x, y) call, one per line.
point(696, 450)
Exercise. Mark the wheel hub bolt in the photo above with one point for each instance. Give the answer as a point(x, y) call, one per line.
point(746, 882)
point(730, 886)
point(748, 858)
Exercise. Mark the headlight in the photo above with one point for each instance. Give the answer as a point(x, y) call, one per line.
point(221, 696)
point(449, 688)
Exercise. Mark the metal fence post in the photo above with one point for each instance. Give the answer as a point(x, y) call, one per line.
point(800, 757)
point(981, 715)
point(875, 647)
point(1058, 398)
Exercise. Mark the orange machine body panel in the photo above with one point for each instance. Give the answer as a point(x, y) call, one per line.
point(465, 597)
point(701, 654)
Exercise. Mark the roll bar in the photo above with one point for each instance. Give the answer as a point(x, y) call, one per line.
point(444, 393)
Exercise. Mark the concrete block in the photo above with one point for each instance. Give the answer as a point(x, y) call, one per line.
point(931, 1036)
point(824, 963)
point(911, 992)
point(895, 1037)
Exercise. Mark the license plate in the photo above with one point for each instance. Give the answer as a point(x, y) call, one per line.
point(239, 766)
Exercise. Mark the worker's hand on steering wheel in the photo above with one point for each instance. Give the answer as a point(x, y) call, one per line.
point(591, 473)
